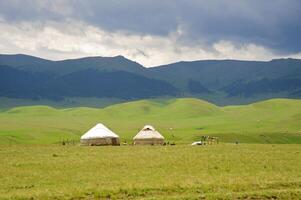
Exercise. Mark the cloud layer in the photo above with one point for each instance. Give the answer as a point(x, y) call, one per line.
point(152, 32)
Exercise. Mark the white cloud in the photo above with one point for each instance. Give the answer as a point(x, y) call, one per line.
point(62, 40)
point(226, 49)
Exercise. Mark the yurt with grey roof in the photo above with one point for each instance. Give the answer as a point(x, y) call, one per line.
point(148, 136)
point(99, 135)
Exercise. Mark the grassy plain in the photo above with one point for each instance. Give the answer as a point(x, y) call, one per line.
point(34, 164)
point(179, 120)
point(225, 171)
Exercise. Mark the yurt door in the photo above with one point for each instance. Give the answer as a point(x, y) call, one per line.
point(114, 141)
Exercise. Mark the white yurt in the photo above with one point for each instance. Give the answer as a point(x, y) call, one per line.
point(148, 135)
point(99, 135)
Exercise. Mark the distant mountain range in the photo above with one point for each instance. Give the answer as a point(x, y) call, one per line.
point(222, 81)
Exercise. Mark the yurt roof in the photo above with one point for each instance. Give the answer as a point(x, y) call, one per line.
point(148, 132)
point(99, 131)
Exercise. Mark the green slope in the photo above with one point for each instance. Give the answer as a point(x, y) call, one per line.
point(179, 120)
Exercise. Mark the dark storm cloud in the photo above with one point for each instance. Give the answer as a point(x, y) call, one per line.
point(271, 23)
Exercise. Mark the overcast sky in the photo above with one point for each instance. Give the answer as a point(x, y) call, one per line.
point(152, 32)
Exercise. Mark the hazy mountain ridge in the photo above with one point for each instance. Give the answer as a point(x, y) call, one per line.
point(35, 64)
point(16, 83)
point(25, 76)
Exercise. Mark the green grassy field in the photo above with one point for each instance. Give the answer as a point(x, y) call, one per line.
point(224, 171)
point(34, 164)
point(179, 120)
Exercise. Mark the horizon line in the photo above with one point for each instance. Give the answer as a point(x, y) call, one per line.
point(122, 56)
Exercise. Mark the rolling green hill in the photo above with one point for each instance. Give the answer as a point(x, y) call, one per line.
point(179, 120)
